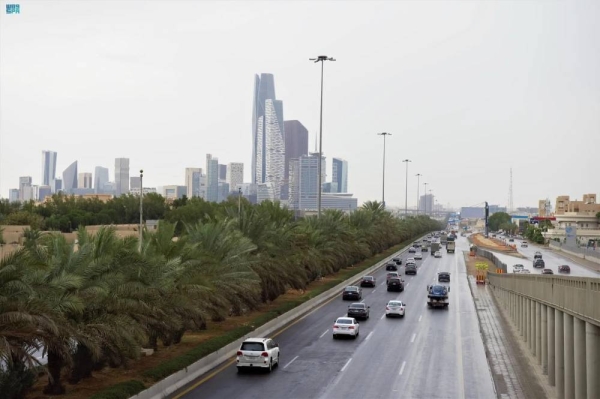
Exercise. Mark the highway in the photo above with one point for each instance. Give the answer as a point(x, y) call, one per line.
point(430, 353)
point(552, 259)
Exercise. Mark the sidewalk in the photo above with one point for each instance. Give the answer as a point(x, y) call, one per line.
point(515, 372)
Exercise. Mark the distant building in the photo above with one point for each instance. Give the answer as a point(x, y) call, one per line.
point(25, 188)
point(212, 178)
point(84, 180)
point(296, 145)
point(135, 182)
point(339, 175)
point(193, 181)
point(174, 192)
point(56, 185)
point(426, 203)
point(48, 167)
point(223, 191)
point(43, 192)
point(69, 180)
point(100, 179)
point(121, 176)
point(235, 175)
point(13, 195)
point(222, 172)
point(147, 190)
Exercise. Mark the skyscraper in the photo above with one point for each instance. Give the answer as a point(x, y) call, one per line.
point(69, 180)
point(267, 132)
point(340, 175)
point(212, 178)
point(84, 180)
point(25, 188)
point(235, 174)
point(48, 167)
point(296, 145)
point(135, 182)
point(222, 172)
point(193, 182)
point(121, 176)
point(100, 179)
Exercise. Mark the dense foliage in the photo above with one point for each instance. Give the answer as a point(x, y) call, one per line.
point(97, 302)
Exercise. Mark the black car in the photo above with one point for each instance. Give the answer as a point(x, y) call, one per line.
point(538, 255)
point(410, 269)
point(539, 263)
point(443, 277)
point(352, 292)
point(392, 266)
point(397, 260)
point(395, 284)
point(368, 281)
point(359, 311)
point(564, 269)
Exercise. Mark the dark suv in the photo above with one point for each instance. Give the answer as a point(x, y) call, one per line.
point(395, 284)
point(359, 311)
point(564, 269)
point(392, 266)
point(368, 281)
point(410, 268)
point(398, 261)
point(538, 255)
point(443, 277)
point(352, 292)
point(539, 263)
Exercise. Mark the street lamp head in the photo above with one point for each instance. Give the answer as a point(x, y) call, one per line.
point(384, 134)
point(406, 160)
point(322, 58)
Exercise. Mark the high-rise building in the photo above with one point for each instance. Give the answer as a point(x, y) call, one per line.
point(100, 179)
point(84, 180)
point(135, 182)
point(121, 176)
point(69, 180)
point(48, 167)
point(13, 195)
point(25, 188)
point(235, 175)
point(193, 182)
point(212, 178)
point(223, 191)
point(426, 203)
point(222, 172)
point(174, 192)
point(56, 185)
point(296, 145)
point(267, 132)
point(340, 174)
point(43, 192)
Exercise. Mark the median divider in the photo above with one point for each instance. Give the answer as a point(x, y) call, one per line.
point(178, 380)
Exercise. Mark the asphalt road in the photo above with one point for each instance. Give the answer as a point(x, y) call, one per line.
point(430, 353)
point(551, 258)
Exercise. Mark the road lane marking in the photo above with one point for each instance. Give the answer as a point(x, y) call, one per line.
point(369, 336)
point(383, 283)
point(346, 365)
point(407, 284)
point(374, 290)
point(382, 316)
point(420, 317)
point(413, 338)
point(461, 376)
point(326, 331)
point(290, 362)
point(402, 368)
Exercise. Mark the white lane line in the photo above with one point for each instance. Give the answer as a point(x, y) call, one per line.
point(369, 336)
point(326, 331)
point(402, 368)
point(382, 316)
point(290, 362)
point(374, 290)
point(420, 317)
point(407, 284)
point(413, 338)
point(383, 283)
point(459, 352)
point(346, 365)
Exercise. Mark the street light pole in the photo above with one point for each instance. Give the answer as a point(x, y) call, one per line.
point(321, 59)
point(384, 134)
point(425, 198)
point(431, 202)
point(141, 207)
point(418, 178)
point(240, 202)
point(406, 189)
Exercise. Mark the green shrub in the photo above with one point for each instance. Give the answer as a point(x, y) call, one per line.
point(15, 381)
point(123, 390)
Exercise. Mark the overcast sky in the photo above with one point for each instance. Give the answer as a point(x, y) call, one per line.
point(468, 90)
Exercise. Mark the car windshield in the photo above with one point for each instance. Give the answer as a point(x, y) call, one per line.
point(344, 321)
point(444, 274)
point(358, 306)
point(351, 289)
point(253, 346)
point(394, 303)
point(438, 289)
point(368, 278)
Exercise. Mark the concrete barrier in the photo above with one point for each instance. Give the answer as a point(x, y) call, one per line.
point(183, 377)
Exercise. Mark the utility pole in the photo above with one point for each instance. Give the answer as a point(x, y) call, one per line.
point(418, 178)
point(384, 134)
point(141, 208)
point(406, 190)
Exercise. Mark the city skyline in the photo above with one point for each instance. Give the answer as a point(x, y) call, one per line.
point(432, 88)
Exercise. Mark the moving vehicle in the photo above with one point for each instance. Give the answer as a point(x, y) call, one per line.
point(418, 256)
point(394, 308)
point(525, 271)
point(524, 244)
point(395, 284)
point(410, 269)
point(424, 248)
point(257, 353)
point(352, 292)
point(438, 254)
point(437, 295)
point(518, 268)
point(538, 255)
point(539, 263)
point(391, 266)
point(411, 260)
point(391, 275)
point(368, 281)
point(444, 277)
point(547, 271)
point(450, 246)
point(564, 269)
point(345, 326)
point(397, 260)
point(412, 250)
point(359, 311)
point(435, 246)
point(443, 238)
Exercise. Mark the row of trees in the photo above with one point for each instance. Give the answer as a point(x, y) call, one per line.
point(97, 302)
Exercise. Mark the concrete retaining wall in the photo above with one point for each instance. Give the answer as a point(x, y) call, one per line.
point(178, 380)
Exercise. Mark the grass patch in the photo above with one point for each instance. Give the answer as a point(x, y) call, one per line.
point(123, 390)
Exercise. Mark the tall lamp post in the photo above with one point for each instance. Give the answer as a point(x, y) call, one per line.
point(384, 134)
point(141, 207)
point(321, 59)
point(418, 178)
point(425, 198)
point(406, 161)
point(431, 209)
point(240, 202)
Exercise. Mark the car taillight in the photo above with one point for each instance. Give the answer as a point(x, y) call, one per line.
point(387, 308)
point(264, 354)
point(239, 353)
point(351, 328)
point(335, 327)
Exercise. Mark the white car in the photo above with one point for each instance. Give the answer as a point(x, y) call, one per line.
point(257, 353)
point(394, 308)
point(437, 254)
point(345, 326)
point(419, 256)
point(410, 260)
point(518, 268)
point(525, 271)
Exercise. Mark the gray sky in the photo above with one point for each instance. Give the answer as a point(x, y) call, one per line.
point(468, 89)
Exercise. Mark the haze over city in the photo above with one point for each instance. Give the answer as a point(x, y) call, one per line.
point(467, 89)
